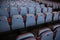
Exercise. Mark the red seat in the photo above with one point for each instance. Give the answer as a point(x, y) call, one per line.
point(9, 20)
point(38, 38)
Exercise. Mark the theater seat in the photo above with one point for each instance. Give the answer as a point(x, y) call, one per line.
point(17, 22)
point(49, 9)
point(46, 34)
point(31, 10)
point(50, 4)
point(13, 4)
point(38, 9)
point(56, 29)
point(4, 12)
point(56, 5)
point(30, 20)
point(55, 16)
point(42, 5)
point(23, 10)
point(4, 26)
point(59, 15)
point(44, 9)
point(48, 17)
point(19, 4)
point(13, 11)
point(4, 4)
point(27, 36)
point(53, 5)
point(40, 18)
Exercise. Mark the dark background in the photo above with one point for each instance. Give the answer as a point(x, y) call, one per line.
point(56, 0)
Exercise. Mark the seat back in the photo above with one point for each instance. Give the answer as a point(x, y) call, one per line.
point(55, 17)
point(19, 5)
point(13, 4)
point(48, 17)
point(50, 4)
point(46, 34)
point(4, 4)
point(44, 9)
point(28, 36)
point(57, 29)
point(40, 18)
point(17, 22)
point(38, 9)
point(54, 5)
point(49, 9)
point(4, 12)
point(4, 25)
point(58, 34)
point(58, 5)
point(13, 11)
point(59, 15)
point(23, 10)
point(30, 20)
point(42, 5)
point(31, 10)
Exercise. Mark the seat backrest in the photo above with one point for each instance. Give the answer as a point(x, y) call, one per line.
point(4, 4)
point(42, 5)
point(4, 25)
point(23, 10)
point(48, 17)
point(58, 34)
point(17, 22)
point(28, 36)
point(40, 18)
point(31, 10)
point(56, 16)
point(46, 34)
point(4, 12)
point(56, 5)
point(13, 11)
point(19, 5)
point(59, 5)
point(57, 29)
point(30, 20)
point(50, 4)
point(13, 4)
point(59, 17)
point(44, 9)
point(49, 9)
point(33, 5)
point(38, 9)
point(59, 14)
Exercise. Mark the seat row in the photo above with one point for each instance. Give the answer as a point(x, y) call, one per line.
point(43, 34)
point(23, 11)
point(27, 3)
point(29, 20)
point(6, 4)
point(54, 5)
point(21, 7)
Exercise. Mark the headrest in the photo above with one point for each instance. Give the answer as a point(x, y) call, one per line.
point(25, 36)
point(55, 26)
point(43, 30)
